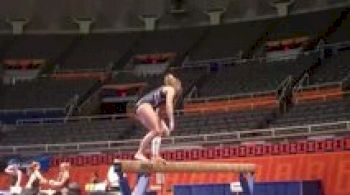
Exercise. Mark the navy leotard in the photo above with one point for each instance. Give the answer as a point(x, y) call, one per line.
point(155, 97)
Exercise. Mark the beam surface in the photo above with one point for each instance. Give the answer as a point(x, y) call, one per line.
point(196, 166)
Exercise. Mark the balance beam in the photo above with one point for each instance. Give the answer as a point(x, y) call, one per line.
point(197, 166)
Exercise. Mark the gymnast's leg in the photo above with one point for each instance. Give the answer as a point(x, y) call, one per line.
point(150, 120)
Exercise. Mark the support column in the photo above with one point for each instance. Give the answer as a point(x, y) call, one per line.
point(142, 184)
point(18, 25)
point(215, 15)
point(84, 24)
point(247, 182)
point(150, 22)
point(282, 6)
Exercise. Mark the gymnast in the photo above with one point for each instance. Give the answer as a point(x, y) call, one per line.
point(35, 179)
point(62, 181)
point(148, 113)
point(13, 169)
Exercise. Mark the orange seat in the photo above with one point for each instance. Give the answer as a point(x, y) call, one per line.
point(318, 94)
point(232, 104)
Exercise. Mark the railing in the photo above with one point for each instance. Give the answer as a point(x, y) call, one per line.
point(94, 97)
point(205, 63)
point(320, 86)
point(40, 121)
point(83, 70)
point(300, 84)
point(208, 62)
point(338, 45)
point(230, 97)
point(284, 87)
point(72, 103)
point(341, 127)
point(43, 110)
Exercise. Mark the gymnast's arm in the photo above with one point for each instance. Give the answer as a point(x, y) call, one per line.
point(40, 177)
point(10, 169)
point(19, 177)
point(62, 181)
point(170, 94)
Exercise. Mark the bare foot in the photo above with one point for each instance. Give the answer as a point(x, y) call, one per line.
point(141, 157)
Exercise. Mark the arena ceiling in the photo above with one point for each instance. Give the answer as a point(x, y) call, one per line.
point(120, 15)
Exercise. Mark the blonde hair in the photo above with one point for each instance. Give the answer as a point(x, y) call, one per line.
point(34, 165)
point(171, 80)
point(64, 165)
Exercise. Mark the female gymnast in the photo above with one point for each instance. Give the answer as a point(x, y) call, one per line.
point(62, 181)
point(16, 174)
point(147, 112)
point(13, 169)
point(35, 179)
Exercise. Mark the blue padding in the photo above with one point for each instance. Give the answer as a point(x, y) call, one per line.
point(260, 188)
point(312, 187)
point(204, 189)
point(288, 188)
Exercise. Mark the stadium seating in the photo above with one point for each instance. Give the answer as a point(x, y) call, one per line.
point(12, 116)
point(310, 24)
point(318, 93)
point(97, 51)
point(227, 40)
point(223, 122)
point(162, 41)
point(342, 32)
point(332, 69)
point(122, 77)
point(315, 112)
point(43, 93)
point(188, 77)
point(253, 76)
point(59, 131)
point(48, 47)
point(79, 131)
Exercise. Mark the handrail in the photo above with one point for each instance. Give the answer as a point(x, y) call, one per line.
point(81, 70)
point(31, 110)
point(173, 68)
point(299, 85)
point(40, 121)
point(346, 78)
point(229, 97)
point(319, 86)
point(206, 62)
point(194, 140)
point(346, 43)
point(72, 118)
point(236, 60)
